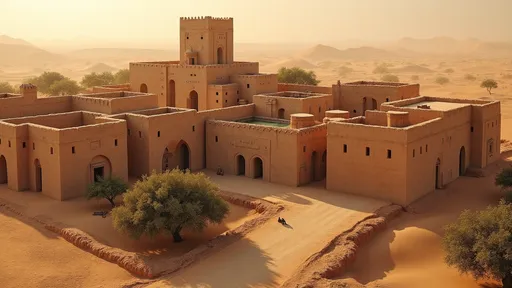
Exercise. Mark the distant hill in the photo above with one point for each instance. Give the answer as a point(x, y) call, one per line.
point(4, 39)
point(288, 63)
point(116, 54)
point(100, 68)
point(25, 55)
point(323, 52)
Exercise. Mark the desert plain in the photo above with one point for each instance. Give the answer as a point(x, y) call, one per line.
point(407, 253)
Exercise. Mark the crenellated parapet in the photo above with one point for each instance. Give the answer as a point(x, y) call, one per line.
point(206, 18)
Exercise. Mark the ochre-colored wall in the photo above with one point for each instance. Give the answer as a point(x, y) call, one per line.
point(303, 88)
point(312, 154)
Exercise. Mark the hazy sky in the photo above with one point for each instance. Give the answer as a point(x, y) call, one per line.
point(259, 20)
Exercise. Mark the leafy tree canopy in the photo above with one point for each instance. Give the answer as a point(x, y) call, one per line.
point(108, 188)
point(45, 81)
point(480, 243)
point(122, 76)
point(169, 202)
point(296, 75)
point(65, 86)
point(97, 79)
point(489, 84)
point(441, 80)
point(5, 87)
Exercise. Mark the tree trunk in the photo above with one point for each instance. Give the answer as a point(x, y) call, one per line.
point(112, 202)
point(176, 235)
point(489, 90)
point(507, 281)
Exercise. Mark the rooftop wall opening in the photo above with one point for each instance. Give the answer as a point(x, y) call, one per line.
point(375, 83)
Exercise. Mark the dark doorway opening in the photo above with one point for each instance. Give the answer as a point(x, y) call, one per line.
point(99, 173)
point(280, 113)
point(171, 101)
point(258, 167)
point(438, 174)
point(184, 157)
point(39, 176)
point(194, 101)
point(462, 161)
point(313, 166)
point(240, 165)
point(3, 170)
point(220, 56)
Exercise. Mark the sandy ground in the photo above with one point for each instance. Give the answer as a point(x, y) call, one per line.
point(409, 253)
point(36, 257)
point(269, 255)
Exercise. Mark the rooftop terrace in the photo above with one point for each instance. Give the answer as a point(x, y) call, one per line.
point(375, 83)
point(61, 120)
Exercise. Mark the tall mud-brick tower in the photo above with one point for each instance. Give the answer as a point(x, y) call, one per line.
point(206, 40)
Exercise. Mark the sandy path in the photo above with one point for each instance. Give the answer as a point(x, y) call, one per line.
point(36, 257)
point(411, 246)
point(270, 254)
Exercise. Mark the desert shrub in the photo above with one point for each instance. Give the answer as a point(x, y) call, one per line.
point(441, 80)
point(390, 78)
point(296, 75)
point(480, 243)
point(415, 77)
point(489, 84)
point(122, 76)
point(5, 87)
point(45, 81)
point(97, 79)
point(108, 188)
point(168, 202)
point(449, 70)
point(65, 86)
point(344, 70)
point(381, 69)
point(507, 76)
point(469, 77)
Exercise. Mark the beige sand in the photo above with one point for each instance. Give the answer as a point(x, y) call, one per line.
point(409, 253)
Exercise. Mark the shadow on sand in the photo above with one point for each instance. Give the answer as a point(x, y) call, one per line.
point(375, 261)
point(244, 264)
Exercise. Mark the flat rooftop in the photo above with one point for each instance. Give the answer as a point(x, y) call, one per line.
point(375, 83)
point(436, 105)
point(61, 120)
point(264, 121)
point(294, 94)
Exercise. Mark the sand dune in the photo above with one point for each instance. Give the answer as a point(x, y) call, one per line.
point(323, 52)
point(99, 68)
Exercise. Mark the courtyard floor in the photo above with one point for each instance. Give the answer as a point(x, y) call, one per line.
point(270, 254)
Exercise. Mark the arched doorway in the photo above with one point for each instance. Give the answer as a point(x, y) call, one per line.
point(257, 165)
point(39, 176)
point(438, 174)
point(165, 159)
point(462, 161)
point(280, 113)
point(193, 100)
point(3, 170)
point(313, 166)
point(171, 95)
point(240, 165)
point(184, 155)
point(220, 56)
point(99, 168)
point(143, 88)
point(364, 105)
point(374, 104)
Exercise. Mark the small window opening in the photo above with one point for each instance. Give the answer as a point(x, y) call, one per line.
point(129, 132)
point(216, 101)
point(216, 93)
point(354, 111)
point(193, 128)
point(344, 148)
point(24, 144)
point(248, 85)
point(115, 142)
point(73, 149)
point(9, 143)
point(389, 154)
point(421, 150)
point(140, 134)
point(33, 146)
point(387, 99)
point(472, 129)
point(51, 150)
point(304, 149)
point(426, 148)
point(367, 151)
point(158, 134)
point(413, 153)
point(216, 138)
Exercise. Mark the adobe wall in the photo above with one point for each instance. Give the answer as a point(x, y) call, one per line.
point(312, 154)
point(133, 103)
point(225, 95)
point(153, 76)
point(441, 139)
point(111, 88)
point(317, 106)
point(251, 85)
point(60, 120)
point(270, 106)
point(303, 88)
point(276, 147)
point(19, 106)
point(350, 96)
point(137, 143)
point(374, 175)
point(486, 134)
point(187, 78)
point(81, 149)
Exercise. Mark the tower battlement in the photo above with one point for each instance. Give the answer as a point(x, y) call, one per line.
point(206, 18)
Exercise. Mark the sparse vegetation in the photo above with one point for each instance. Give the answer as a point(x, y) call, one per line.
point(296, 75)
point(97, 79)
point(5, 87)
point(442, 80)
point(390, 78)
point(45, 81)
point(122, 76)
point(470, 77)
point(480, 243)
point(108, 188)
point(415, 77)
point(449, 70)
point(489, 84)
point(344, 70)
point(65, 86)
point(169, 202)
point(507, 76)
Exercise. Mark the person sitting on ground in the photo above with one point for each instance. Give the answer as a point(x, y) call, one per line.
point(220, 171)
point(283, 221)
point(280, 220)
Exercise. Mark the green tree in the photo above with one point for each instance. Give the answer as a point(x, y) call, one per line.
point(45, 81)
point(65, 86)
point(296, 75)
point(489, 84)
point(168, 202)
point(122, 76)
point(390, 78)
point(97, 79)
point(108, 188)
point(5, 87)
point(504, 180)
point(480, 243)
point(441, 80)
